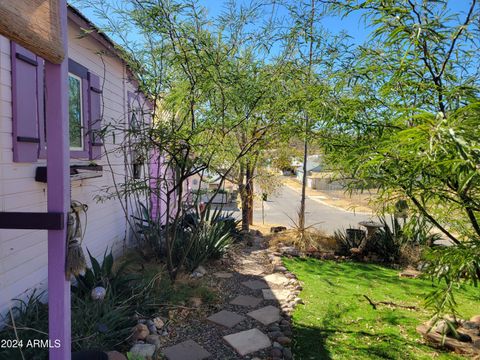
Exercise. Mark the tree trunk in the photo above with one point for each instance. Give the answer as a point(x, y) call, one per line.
point(249, 191)
point(244, 200)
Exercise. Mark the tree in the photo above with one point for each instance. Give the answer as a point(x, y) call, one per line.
point(407, 120)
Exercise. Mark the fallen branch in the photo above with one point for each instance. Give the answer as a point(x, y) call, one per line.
point(388, 303)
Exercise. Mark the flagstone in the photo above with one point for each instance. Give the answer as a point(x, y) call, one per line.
point(266, 315)
point(248, 341)
point(255, 284)
point(275, 294)
point(276, 279)
point(246, 300)
point(187, 350)
point(226, 318)
point(223, 275)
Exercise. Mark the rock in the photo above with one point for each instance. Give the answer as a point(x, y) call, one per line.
point(470, 325)
point(115, 355)
point(140, 332)
point(158, 322)
point(276, 353)
point(277, 345)
point(277, 229)
point(290, 250)
point(443, 327)
point(151, 327)
point(298, 301)
point(154, 340)
point(274, 327)
point(279, 268)
point(288, 333)
point(145, 350)
point(275, 334)
point(198, 272)
point(475, 319)
point(196, 302)
point(284, 340)
point(463, 337)
point(98, 293)
point(287, 354)
point(284, 322)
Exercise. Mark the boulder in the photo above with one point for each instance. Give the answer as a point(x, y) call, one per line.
point(140, 332)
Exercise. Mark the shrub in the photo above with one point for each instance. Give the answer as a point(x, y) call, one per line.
point(204, 236)
point(348, 239)
point(151, 231)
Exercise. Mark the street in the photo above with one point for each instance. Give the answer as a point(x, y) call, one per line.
point(280, 209)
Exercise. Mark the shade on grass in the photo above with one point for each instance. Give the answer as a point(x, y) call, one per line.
point(337, 322)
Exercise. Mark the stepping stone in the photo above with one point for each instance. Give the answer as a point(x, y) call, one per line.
point(246, 300)
point(226, 318)
point(250, 271)
point(246, 342)
point(223, 275)
point(275, 294)
point(187, 350)
point(276, 279)
point(255, 284)
point(266, 315)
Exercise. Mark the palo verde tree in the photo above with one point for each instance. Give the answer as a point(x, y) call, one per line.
point(408, 123)
point(204, 85)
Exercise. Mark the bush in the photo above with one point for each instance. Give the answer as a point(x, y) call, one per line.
point(151, 231)
point(204, 236)
point(348, 239)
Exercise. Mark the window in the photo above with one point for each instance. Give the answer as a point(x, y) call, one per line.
point(75, 112)
point(28, 108)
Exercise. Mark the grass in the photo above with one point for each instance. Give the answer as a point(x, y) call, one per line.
point(337, 322)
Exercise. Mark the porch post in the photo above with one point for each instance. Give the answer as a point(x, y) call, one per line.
point(58, 155)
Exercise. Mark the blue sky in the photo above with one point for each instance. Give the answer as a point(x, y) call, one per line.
point(353, 24)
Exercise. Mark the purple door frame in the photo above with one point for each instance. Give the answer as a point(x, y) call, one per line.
point(58, 188)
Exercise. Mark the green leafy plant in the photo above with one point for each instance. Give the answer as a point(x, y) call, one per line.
point(150, 230)
point(348, 239)
point(209, 234)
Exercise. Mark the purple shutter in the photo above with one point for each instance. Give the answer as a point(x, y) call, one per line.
point(95, 118)
point(27, 103)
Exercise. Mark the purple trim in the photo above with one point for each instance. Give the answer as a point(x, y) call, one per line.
point(95, 117)
point(58, 192)
point(27, 73)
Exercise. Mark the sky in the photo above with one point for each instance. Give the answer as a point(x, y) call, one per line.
point(353, 24)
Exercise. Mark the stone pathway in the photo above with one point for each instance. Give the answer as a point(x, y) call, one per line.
point(253, 322)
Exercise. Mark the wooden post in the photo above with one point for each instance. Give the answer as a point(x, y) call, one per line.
point(58, 155)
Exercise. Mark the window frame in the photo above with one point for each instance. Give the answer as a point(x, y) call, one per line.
point(83, 153)
point(82, 114)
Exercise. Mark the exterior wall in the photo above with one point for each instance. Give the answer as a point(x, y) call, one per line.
point(23, 254)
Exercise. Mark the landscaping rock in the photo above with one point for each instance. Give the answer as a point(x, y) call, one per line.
point(276, 279)
point(246, 342)
point(198, 272)
point(287, 354)
point(279, 268)
point(284, 340)
point(290, 250)
point(275, 334)
point(187, 350)
point(277, 345)
point(276, 353)
point(151, 327)
point(475, 319)
point(115, 355)
point(196, 302)
point(154, 340)
point(145, 350)
point(140, 332)
point(223, 275)
point(158, 322)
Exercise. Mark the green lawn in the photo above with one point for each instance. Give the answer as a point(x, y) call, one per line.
point(337, 322)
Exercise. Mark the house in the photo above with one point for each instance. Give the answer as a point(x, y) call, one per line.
point(318, 177)
point(101, 91)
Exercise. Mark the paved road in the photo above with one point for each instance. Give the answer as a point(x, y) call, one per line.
point(279, 209)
